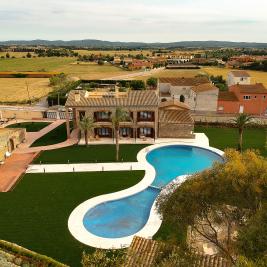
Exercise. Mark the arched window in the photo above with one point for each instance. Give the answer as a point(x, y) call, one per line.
point(182, 98)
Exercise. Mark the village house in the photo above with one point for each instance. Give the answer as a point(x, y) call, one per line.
point(140, 64)
point(238, 77)
point(148, 117)
point(244, 98)
point(198, 93)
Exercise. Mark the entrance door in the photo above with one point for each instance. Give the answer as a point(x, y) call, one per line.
point(241, 109)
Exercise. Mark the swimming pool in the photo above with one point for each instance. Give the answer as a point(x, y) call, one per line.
point(127, 216)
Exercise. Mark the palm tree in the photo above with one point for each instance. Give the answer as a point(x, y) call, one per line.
point(86, 125)
point(119, 116)
point(241, 121)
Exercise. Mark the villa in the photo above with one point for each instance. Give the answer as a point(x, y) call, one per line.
point(148, 117)
point(238, 77)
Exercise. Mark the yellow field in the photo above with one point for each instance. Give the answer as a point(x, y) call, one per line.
point(16, 54)
point(257, 76)
point(15, 89)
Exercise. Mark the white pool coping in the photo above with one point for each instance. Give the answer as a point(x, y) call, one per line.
point(75, 221)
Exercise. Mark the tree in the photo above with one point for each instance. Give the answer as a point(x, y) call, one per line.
point(100, 62)
point(138, 85)
point(7, 55)
point(241, 121)
point(86, 125)
point(152, 82)
point(29, 55)
point(219, 201)
point(119, 116)
point(103, 258)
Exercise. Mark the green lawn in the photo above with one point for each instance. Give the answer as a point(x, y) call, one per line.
point(35, 214)
point(56, 136)
point(92, 153)
point(30, 126)
point(222, 138)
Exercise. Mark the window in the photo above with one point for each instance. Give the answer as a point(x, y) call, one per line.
point(246, 97)
point(145, 131)
point(103, 131)
point(255, 96)
point(264, 96)
point(145, 115)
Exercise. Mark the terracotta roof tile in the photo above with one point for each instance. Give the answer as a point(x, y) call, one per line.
point(132, 99)
point(204, 87)
point(175, 116)
point(257, 88)
point(240, 73)
point(184, 81)
point(227, 96)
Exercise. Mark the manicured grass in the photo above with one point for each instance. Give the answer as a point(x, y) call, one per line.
point(35, 215)
point(30, 126)
point(92, 153)
point(56, 136)
point(222, 138)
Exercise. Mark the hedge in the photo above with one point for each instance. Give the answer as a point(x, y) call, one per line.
point(31, 255)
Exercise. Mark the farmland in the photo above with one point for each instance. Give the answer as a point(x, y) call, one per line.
point(15, 89)
point(16, 54)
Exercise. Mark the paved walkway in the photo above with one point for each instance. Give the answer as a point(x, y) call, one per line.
point(20, 159)
point(69, 142)
point(31, 137)
point(13, 168)
point(85, 167)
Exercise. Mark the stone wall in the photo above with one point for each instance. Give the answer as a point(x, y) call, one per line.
point(167, 130)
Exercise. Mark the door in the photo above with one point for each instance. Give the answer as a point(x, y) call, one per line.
point(241, 109)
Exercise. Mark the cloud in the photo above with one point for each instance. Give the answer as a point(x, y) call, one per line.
point(139, 20)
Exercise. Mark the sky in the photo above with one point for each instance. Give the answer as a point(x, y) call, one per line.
point(134, 20)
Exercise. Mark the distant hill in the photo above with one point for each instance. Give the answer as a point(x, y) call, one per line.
point(91, 43)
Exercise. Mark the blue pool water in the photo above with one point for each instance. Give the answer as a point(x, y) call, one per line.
point(126, 216)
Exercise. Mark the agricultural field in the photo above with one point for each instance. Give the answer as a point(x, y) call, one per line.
point(16, 54)
point(114, 52)
point(15, 89)
point(34, 64)
point(91, 70)
point(257, 76)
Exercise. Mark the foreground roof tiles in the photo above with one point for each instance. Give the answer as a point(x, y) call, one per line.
point(175, 117)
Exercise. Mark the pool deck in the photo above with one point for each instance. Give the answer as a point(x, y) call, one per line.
point(75, 222)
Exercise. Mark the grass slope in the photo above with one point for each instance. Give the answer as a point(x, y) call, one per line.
point(223, 138)
point(35, 214)
point(30, 126)
point(93, 153)
point(56, 136)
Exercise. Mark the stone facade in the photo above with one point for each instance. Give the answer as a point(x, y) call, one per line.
point(10, 139)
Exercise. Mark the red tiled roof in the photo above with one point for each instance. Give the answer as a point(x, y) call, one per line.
point(184, 81)
point(240, 73)
point(227, 96)
point(257, 88)
point(204, 87)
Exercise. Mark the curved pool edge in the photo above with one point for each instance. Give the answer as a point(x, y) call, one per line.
point(75, 221)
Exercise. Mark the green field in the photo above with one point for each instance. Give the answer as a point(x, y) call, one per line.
point(222, 138)
point(34, 64)
point(93, 153)
point(35, 214)
point(56, 136)
point(30, 126)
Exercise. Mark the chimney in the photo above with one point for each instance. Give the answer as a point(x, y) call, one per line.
point(77, 96)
